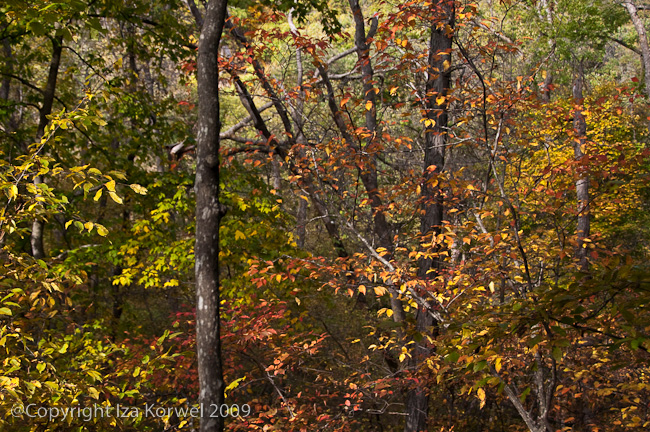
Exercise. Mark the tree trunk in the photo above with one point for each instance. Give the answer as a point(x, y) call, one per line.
point(437, 87)
point(582, 184)
point(36, 238)
point(643, 41)
point(208, 217)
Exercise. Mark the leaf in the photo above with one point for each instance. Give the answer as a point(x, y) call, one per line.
point(522, 398)
point(380, 291)
point(110, 185)
point(497, 364)
point(93, 392)
point(101, 230)
point(139, 189)
point(115, 197)
point(234, 384)
point(368, 105)
point(37, 28)
point(481, 395)
point(239, 235)
point(5, 311)
point(362, 289)
point(13, 191)
point(98, 195)
point(96, 376)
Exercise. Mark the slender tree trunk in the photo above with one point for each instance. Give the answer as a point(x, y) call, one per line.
point(437, 87)
point(208, 217)
point(582, 184)
point(643, 41)
point(5, 86)
point(36, 238)
point(298, 118)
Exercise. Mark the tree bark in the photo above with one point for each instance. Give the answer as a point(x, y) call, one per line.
point(437, 91)
point(582, 184)
point(643, 41)
point(208, 217)
point(38, 225)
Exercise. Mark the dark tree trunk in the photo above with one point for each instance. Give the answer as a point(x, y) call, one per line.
point(208, 216)
point(36, 238)
point(437, 88)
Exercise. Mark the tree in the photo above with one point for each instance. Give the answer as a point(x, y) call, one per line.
point(208, 216)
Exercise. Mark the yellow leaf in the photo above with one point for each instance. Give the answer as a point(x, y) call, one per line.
point(110, 185)
point(93, 392)
point(481, 395)
point(497, 364)
point(389, 312)
point(278, 278)
point(98, 195)
point(139, 189)
point(393, 91)
point(368, 105)
point(440, 100)
point(492, 288)
point(239, 235)
point(101, 230)
point(115, 197)
point(13, 191)
point(89, 226)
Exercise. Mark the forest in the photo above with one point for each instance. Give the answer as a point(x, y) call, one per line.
point(345, 215)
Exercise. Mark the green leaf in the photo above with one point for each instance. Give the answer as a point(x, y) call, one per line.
point(557, 353)
point(37, 28)
point(523, 395)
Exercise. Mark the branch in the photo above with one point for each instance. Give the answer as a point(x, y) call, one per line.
point(244, 122)
point(624, 44)
point(196, 13)
point(525, 415)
